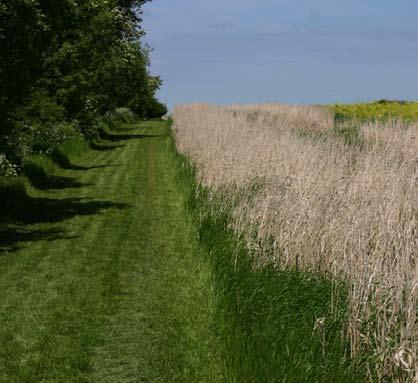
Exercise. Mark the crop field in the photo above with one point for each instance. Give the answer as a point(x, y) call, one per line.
point(324, 191)
point(378, 111)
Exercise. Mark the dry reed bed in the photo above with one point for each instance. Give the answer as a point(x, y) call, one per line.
point(324, 206)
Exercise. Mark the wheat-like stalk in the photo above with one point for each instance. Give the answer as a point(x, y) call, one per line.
point(348, 211)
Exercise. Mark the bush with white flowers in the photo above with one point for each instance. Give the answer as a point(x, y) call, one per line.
point(7, 169)
point(44, 138)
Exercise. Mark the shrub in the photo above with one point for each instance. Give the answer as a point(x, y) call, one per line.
point(36, 138)
point(124, 115)
point(148, 107)
point(45, 138)
point(42, 108)
point(7, 169)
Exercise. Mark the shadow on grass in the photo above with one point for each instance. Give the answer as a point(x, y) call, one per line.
point(20, 211)
point(100, 147)
point(44, 181)
point(61, 159)
point(125, 127)
point(41, 210)
point(57, 182)
point(124, 137)
point(12, 237)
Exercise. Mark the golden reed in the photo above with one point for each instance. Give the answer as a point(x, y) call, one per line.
point(321, 205)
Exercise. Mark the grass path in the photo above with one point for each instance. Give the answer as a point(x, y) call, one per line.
point(103, 285)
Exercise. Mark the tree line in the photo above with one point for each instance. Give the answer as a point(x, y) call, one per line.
point(65, 63)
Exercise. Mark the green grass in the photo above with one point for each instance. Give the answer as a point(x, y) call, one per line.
point(107, 275)
point(268, 318)
point(349, 133)
point(100, 280)
point(13, 195)
point(265, 318)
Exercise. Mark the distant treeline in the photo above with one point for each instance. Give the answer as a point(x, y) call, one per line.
point(66, 63)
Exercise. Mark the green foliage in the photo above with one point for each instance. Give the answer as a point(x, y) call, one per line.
point(64, 65)
point(382, 110)
point(29, 138)
point(349, 132)
point(22, 33)
point(42, 108)
point(46, 138)
point(124, 115)
point(156, 109)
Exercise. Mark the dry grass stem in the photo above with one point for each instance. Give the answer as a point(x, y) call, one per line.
point(322, 205)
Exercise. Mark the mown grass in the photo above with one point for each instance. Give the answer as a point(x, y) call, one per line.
point(99, 268)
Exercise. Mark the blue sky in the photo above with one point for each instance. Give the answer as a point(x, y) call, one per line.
point(289, 51)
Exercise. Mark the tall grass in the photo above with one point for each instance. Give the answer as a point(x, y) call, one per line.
point(316, 203)
point(271, 323)
point(268, 325)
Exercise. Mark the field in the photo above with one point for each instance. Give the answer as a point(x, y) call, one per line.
point(242, 244)
point(329, 198)
point(238, 244)
point(381, 111)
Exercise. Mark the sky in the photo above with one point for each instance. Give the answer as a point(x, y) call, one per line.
point(287, 51)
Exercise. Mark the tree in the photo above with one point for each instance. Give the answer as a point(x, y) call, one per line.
point(22, 43)
point(73, 60)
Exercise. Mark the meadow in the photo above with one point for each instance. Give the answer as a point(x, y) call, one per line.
point(327, 199)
